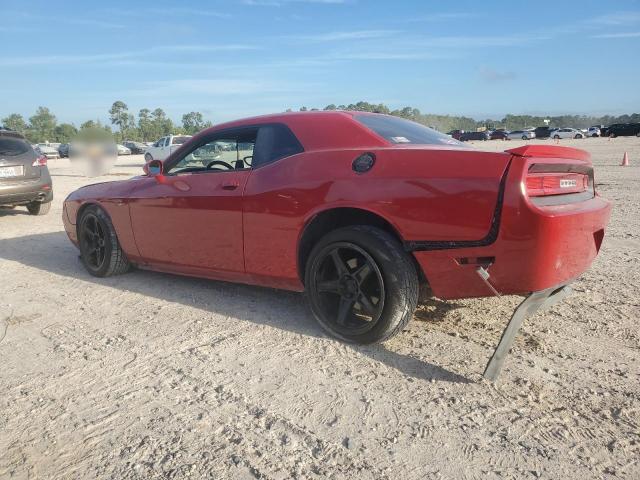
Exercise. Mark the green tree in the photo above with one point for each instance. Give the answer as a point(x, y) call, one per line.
point(145, 125)
point(162, 125)
point(15, 122)
point(65, 132)
point(120, 116)
point(41, 126)
point(192, 122)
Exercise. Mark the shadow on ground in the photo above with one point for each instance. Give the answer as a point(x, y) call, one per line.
point(54, 253)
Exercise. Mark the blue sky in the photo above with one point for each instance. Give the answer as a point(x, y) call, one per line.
point(234, 58)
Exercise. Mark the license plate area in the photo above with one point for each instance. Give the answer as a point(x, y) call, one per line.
point(11, 172)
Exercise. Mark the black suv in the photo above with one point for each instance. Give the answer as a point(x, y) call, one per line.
point(624, 130)
point(474, 136)
point(24, 176)
point(542, 132)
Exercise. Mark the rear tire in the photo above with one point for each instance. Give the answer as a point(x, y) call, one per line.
point(556, 137)
point(39, 208)
point(100, 250)
point(361, 285)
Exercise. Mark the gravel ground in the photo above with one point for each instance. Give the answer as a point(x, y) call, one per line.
point(149, 375)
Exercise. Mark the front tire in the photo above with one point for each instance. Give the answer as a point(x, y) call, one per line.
point(147, 157)
point(612, 135)
point(100, 250)
point(39, 208)
point(361, 285)
point(556, 137)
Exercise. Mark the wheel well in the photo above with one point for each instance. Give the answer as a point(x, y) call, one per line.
point(81, 210)
point(333, 219)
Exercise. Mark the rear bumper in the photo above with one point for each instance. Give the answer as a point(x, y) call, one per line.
point(536, 248)
point(26, 191)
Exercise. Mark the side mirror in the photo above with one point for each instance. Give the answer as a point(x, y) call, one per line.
point(154, 168)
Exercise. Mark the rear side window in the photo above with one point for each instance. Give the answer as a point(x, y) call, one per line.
point(12, 147)
point(180, 140)
point(398, 131)
point(275, 142)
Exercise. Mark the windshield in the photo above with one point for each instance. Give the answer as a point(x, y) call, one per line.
point(11, 147)
point(398, 130)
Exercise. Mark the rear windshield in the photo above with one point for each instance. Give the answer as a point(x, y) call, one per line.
point(11, 147)
point(180, 140)
point(398, 130)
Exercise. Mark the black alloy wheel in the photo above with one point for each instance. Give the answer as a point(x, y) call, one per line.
point(100, 249)
point(361, 284)
point(93, 242)
point(348, 287)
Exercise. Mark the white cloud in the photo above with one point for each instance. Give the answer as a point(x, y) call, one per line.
point(280, 3)
point(618, 35)
point(348, 35)
point(117, 56)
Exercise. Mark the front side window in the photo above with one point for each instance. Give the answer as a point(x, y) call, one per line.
point(226, 152)
point(398, 130)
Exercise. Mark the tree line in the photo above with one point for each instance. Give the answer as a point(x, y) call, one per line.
point(446, 123)
point(149, 125)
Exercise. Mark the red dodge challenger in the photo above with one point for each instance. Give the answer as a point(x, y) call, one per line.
point(357, 209)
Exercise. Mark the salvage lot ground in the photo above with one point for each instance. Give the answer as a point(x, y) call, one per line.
point(148, 375)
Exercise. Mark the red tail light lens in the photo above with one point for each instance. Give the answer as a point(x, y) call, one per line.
point(41, 161)
point(541, 184)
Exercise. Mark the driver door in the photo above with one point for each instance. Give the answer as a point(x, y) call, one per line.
point(190, 218)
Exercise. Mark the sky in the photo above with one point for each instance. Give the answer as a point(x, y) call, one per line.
point(235, 58)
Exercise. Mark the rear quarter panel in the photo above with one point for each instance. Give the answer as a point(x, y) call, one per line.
point(426, 194)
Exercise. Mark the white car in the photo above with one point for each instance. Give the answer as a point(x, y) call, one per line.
point(566, 133)
point(164, 147)
point(48, 150)
point(594, 131)
point(122, 150)
point(521, 135)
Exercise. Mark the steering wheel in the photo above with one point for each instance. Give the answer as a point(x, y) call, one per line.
point(220, 163)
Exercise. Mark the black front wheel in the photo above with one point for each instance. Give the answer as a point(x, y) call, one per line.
point(362, 286)
point(100, 250)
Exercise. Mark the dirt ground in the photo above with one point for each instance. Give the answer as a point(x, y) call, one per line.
point(149, 375)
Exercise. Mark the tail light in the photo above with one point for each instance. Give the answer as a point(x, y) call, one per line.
point(556, 183)
point(41, 161)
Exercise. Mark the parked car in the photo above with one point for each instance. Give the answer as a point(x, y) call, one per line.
point(334, 204)
point(122, 150)
point(542, 132)
point(594, 131)
point(164, 147)
point(47, 150)
point(567, 133)
point(63, 150)
point(474, 136)
point(24, 176)
point(135, 147)
point(624, 130)
point(455, 134)
point(499, 135)
point(521, 135)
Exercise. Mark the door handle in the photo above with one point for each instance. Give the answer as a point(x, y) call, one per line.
point(230, 185)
